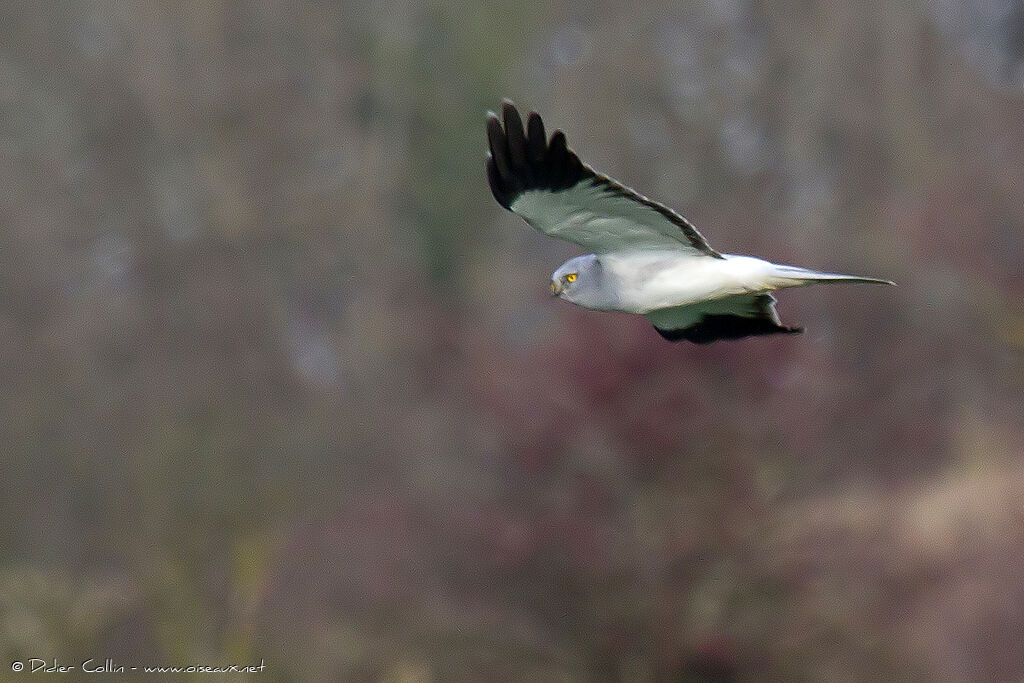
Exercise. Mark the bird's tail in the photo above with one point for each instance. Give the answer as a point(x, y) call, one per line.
point(792, 276)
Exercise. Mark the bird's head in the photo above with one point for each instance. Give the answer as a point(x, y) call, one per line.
point(576, 279)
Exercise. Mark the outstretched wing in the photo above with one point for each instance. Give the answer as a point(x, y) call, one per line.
point(547, 184)
point(731, 317)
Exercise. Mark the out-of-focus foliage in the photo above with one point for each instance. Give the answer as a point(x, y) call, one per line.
point(282, 382)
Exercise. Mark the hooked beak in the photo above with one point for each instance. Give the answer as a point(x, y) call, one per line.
point(556, 288)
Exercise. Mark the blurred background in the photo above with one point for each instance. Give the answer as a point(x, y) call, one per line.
point(281, 380)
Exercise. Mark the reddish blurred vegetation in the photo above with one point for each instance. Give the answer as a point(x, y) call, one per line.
point(283, 382)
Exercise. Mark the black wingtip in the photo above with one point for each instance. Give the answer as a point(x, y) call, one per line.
point(516, 143)
point(498, 189)
point(536, 141)
point(498, 144)
point(714, 328)
point(523, 158)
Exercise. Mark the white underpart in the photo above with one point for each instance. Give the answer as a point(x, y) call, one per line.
point(650, 280)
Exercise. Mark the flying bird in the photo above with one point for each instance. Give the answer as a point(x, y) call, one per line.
point(647, 259)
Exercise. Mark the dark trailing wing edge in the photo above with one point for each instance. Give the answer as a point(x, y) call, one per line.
point(520, 161)
point(715, 327)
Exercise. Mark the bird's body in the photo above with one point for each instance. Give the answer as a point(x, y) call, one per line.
point(647, 281)
point(651, 280)
point(647, 258)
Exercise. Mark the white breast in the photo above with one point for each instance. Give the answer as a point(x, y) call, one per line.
point(650, 280)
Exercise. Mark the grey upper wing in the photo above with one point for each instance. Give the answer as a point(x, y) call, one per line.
point(547, 184)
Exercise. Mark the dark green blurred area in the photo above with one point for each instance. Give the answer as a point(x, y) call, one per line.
point(283, 382)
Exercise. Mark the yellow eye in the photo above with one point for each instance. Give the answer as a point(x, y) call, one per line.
point(554, 287)
point(571, 277)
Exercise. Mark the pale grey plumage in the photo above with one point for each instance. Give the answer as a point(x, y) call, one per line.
point(647, 258)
